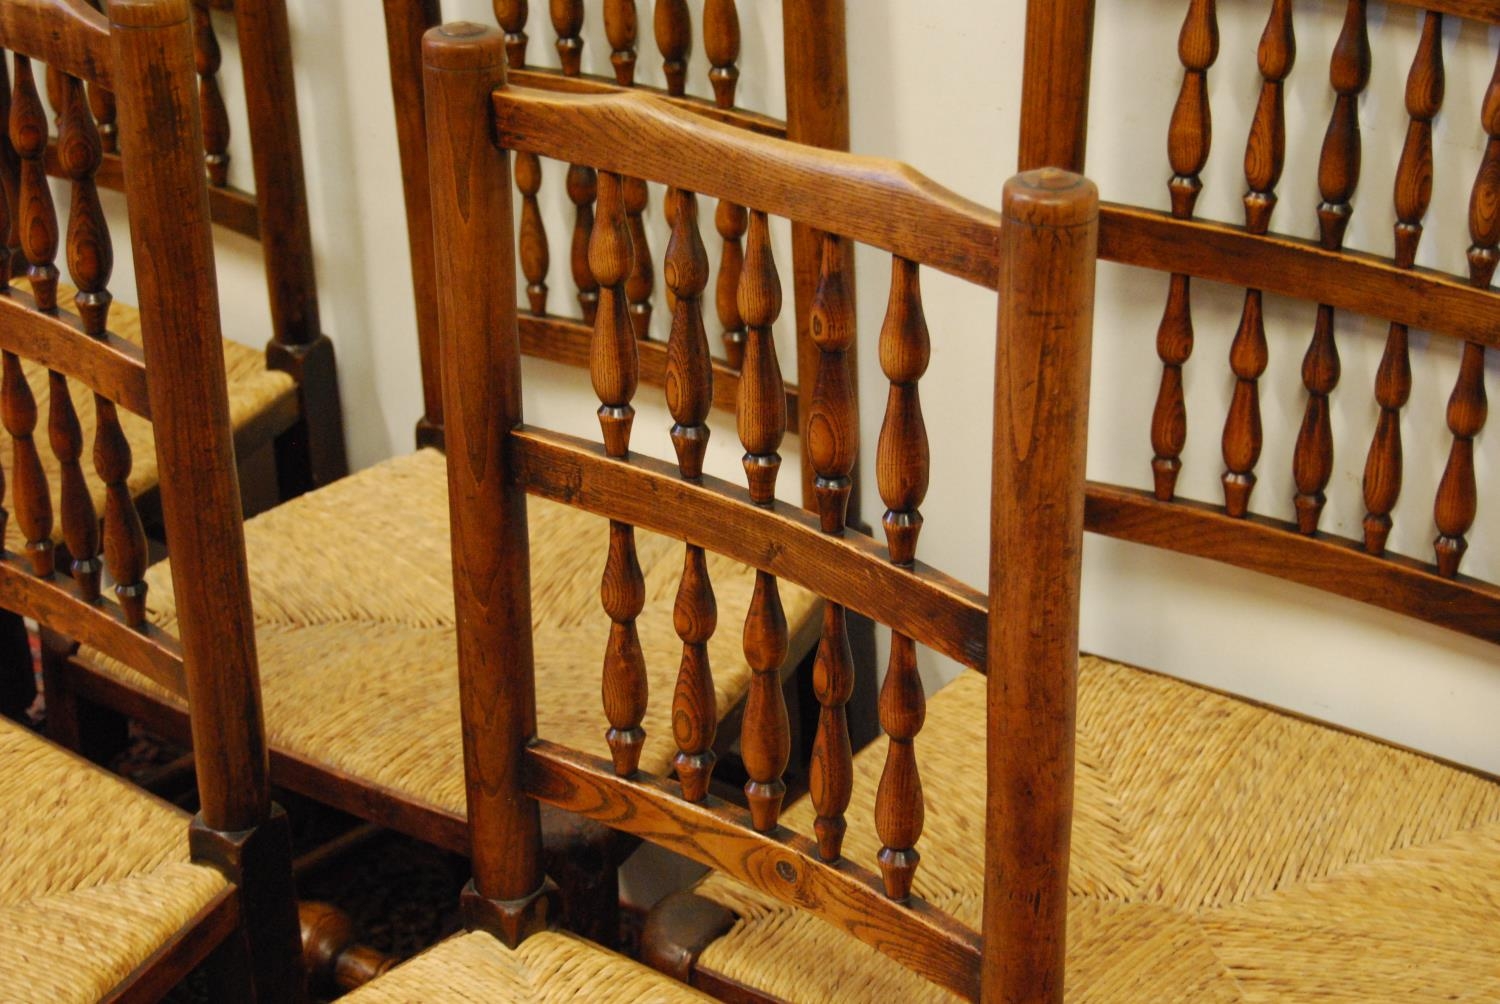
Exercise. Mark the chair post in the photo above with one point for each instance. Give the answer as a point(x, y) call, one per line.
point(405, 23)
point(237, 828)
point(1055, 83)
point(311, 453)
point(1048, 245)
point(481, 357)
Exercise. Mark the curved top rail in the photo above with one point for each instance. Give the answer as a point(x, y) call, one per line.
point(875, 201)
point(66, 34)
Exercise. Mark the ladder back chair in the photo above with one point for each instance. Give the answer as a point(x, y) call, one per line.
point(108, 893)
point(330, 637)
point(1024, 632)
point(1221, 850)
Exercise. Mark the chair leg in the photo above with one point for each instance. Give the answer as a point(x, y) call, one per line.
point(91, 730)
point(17, 675)
point(311, 453)
point(259, 861)
point(584, 857)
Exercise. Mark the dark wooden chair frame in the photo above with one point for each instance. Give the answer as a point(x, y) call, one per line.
point(1024, 632)
point(143, 52)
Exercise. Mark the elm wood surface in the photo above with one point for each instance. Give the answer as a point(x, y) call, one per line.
point(151, 68)
point(493, 461)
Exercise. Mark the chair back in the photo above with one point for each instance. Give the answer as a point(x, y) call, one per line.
point(142, 52)
point(1372, 542)
point(1023, 633)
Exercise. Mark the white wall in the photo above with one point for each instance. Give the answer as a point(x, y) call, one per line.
point(938, 85)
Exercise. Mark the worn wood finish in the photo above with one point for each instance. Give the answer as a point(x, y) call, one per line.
point(1041, 423)
point(73, 34)
point(482, 402)
point(1050, 236)
point(779, 863)
point(649, 139)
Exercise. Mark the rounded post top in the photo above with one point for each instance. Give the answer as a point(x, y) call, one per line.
point(1051, 197)
point(147, 13)
point(463, 46)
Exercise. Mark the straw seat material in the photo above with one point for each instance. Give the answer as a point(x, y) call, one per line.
point(1222, 852)
point(254, 391)
point(94, 874)
point(546, 967)
point(352, 586)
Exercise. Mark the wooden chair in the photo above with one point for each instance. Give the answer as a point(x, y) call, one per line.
point(356, 660)
point(1221, 850)
point(284, 405)
point(106, 892)
point(1042, 259)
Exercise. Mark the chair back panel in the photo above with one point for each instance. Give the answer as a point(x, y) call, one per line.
point(144, 51)
point(494, 459)
point(1290, 537)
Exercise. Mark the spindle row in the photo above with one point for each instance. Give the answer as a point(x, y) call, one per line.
point(34, 226)
point(832, 444)
point(1338, 176)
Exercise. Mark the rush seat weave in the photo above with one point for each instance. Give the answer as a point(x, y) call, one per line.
point(95, 874)
point(352, 586)
point(1222, 852)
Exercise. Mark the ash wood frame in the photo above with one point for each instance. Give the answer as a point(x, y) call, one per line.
point(1054, 132)
point(144, 51)
point(1031, 613)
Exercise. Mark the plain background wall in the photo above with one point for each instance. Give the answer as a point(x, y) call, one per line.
point(937, 84)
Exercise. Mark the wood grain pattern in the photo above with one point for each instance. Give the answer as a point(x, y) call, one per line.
point(779, 864)
point(66, 34)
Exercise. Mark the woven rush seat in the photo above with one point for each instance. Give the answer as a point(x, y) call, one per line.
point(94, 874)
point(547, 967)
point(353, 599)
point(1221, 852)
point(254, 391)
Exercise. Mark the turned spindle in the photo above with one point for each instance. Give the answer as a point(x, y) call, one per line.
point(730, 221)
point(511, 16)
point(901, 460)
point(1188, 139)
point(674, 38)
point(621, 27)
point(38, 219)
point(641, 282)
point(1413, 193)
point(762, 399)
point(567, 21)
point(535, 256)
point(210, 99)
point(721, 42)
point(899, 805)
point(583, 190)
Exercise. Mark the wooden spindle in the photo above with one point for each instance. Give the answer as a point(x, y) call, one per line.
point(899, 805)
point(721, 42)
point(730, 221)
point(102, 103)
point(762, 401)
point(210, 99)
point(30, 497)
point(1265, 151)
point(38, 219)
point(621, 27)
point(689, 398)
point(1188, 141)
point(902, 461)
point(1383, 465)
point(690, 372)
point(641, 282)
point(11, 257)
point(832, 443)
point(615, 368)
point(674, 37)
point(90, 252)
point(832, 440)
point(535, 257)
point(694, 709)
point(765, 738)
point(90, 262)
point(567, 21)
point(511, 16)
point(583, 189)
point(1338, 175)
point(1457, 495)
